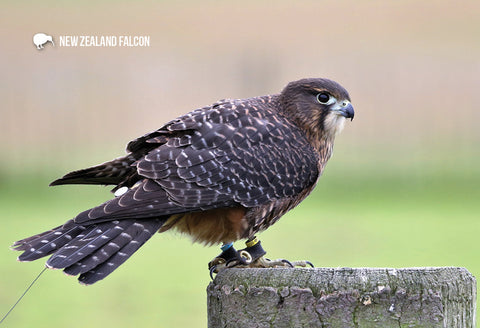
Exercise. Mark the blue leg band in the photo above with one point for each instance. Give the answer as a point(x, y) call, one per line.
point(226, 246)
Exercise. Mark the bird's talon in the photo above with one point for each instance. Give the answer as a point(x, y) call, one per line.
point(302, 264)
point(212, 271)
point(215, 262)
point(288, 263)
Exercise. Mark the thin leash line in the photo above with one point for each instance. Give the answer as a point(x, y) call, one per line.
point(18, 301)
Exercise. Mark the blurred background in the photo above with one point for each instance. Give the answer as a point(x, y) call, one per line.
point(401, 190)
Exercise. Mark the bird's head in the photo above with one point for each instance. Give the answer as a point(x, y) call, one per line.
point(319, 106)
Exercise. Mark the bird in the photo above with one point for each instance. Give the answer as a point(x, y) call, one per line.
point(220, 173)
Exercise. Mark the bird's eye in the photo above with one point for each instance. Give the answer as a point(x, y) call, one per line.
point(323, 97)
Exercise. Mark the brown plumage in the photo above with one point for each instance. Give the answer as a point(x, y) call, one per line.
point(219, 173)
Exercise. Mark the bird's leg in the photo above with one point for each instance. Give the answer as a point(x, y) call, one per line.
point(256, 252)
point(229, 255)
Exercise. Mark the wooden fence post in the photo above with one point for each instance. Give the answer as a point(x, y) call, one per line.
point(344, 297)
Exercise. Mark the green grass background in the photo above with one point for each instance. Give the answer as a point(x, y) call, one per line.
point(357, 217)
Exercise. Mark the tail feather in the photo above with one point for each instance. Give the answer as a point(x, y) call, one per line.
point(24, 244)
point(46, 243)
point(86, 243)
point(104, 253)
point(94, 251)
point(90, 262)
point(109, 173)
point(144, 230)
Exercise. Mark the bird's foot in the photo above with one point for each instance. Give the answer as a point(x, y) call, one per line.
point(264, 262)
point(250, 257)
point(229, 255)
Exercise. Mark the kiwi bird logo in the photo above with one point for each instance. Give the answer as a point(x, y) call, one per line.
point(40, 39)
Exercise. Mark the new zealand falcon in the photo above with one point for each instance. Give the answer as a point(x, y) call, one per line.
point(219, 174)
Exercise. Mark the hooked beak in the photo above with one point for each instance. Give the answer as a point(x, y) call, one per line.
point(346, 110)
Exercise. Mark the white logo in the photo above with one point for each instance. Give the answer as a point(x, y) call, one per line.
point(40, 39)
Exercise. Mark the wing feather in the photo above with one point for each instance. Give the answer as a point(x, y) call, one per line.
point(231, 154)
